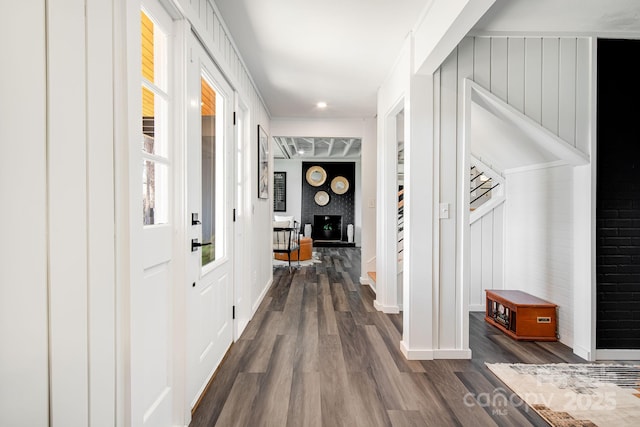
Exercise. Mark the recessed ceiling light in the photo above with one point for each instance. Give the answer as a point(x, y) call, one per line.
point(321, 104)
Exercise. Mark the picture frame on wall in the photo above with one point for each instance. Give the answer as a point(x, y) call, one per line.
point(279, 191)
point(263, 163)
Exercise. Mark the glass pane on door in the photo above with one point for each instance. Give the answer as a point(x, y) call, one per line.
point(208, 119)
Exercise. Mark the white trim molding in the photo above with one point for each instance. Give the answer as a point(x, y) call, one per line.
point(453, 353)
point(416, 354)
point(388, 309)
point(617, 354)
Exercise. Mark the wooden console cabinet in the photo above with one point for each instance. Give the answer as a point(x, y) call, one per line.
point(521, 316)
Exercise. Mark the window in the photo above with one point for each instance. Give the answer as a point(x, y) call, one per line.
point(210, 172)
point(154, 139)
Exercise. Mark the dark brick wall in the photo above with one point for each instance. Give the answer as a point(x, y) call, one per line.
point(339, 204)
point(618, 196)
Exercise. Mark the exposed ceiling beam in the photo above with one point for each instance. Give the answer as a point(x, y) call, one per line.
point(286, 147)
point(330, 147)
point(295, 146)
point(282, 149)
point(347, 147)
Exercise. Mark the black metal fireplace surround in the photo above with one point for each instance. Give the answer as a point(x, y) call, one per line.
point(327, 228)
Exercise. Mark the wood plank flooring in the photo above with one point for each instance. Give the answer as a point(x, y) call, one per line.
point(318, 354)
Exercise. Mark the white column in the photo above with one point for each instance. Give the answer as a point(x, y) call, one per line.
point(387, 214)
point(418, 313)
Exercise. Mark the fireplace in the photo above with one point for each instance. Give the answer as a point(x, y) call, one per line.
point(327, 227)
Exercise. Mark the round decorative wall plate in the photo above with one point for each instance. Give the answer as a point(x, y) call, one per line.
point(316, 176)
point(339, 185)
point(321, 198)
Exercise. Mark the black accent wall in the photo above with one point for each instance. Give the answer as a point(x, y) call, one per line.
point(618, 196)
point(339, 204)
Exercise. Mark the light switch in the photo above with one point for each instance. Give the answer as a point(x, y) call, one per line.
point(372, 203)
point(444, 210)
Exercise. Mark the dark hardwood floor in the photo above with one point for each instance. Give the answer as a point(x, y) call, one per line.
point(318, 354)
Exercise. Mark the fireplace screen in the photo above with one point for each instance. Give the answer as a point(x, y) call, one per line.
point(327, 227)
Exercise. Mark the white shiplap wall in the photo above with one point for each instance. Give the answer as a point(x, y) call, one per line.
point(539, 239)
point(546, 78)
point(209, 26)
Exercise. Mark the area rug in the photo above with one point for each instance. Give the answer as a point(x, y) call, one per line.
point(305, 263)
point(576, 394)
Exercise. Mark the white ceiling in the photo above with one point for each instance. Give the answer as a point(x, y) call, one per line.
point(300, 52)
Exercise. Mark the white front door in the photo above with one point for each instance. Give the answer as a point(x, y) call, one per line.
point(152, 167)
point(210, 203)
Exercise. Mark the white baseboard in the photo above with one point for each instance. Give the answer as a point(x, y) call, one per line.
point(617, 354)
point(389, 309)
point(582, 352)
point(452, 354)
point(428, 354)
point(368, 282)
point(477, 307)
point(261, 297)
point(415, 354)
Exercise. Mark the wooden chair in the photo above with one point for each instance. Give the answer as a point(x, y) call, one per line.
point(286, 239)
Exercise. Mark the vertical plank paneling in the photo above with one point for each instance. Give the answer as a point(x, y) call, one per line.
point(215, 30)
point(533, 79)
point(482, 62)
point(487, 251)
point(567, 90)
point(550, 57)
point(465, 63)
point(465, 70)
point(476, 264)
point(515, 65)
point(583, 107)
point(448, 192)
point(202, 10)
point(67, 167)
point(498, 247)
point(24, 388)
point(499, 75)
point(101, 229)
point(209, 21)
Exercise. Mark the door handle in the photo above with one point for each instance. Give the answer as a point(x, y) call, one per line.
point(195, 244)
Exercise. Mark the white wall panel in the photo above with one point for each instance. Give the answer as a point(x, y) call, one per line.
point(550, 76)
point(498, 247)
point(67, 149)
point(448, 194)
point(533, 79)
point(482, 61)
point(475, 296)
point(567, 90)
point(487, 251)
point(487, 263)
point(24, 384)
point(515, 73)
point(499, 71)
point(583, 100)
point(539, 239)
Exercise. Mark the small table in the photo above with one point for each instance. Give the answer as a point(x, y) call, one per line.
point(521, 316)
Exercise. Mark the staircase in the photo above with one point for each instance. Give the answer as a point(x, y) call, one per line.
point(481, 188)
point(400, 246)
